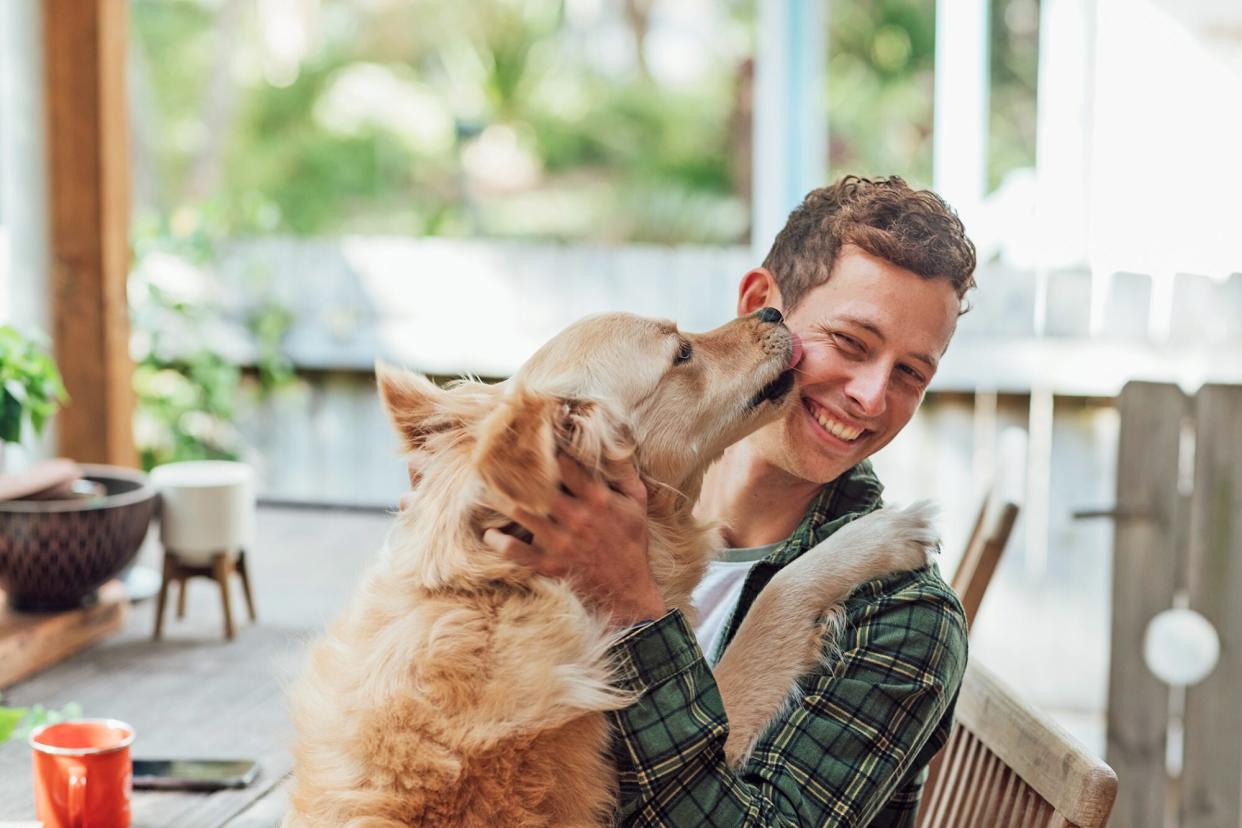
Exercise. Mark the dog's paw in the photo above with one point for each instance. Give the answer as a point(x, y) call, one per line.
point(910, 535)
point(874, 546)
point(890, 540)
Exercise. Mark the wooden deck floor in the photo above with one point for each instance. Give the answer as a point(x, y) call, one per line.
point(195, 694)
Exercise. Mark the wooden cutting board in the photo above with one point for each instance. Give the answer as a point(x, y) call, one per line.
point(33, 641)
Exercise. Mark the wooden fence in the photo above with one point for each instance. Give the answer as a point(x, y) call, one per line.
point(1178, 541)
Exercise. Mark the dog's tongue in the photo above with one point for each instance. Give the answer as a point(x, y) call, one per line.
point(797, 351)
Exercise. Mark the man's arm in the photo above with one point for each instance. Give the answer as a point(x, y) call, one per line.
point(863, 725)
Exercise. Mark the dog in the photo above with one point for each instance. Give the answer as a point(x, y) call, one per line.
point(459, 688)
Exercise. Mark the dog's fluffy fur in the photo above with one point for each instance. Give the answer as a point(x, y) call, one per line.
point(461, 689)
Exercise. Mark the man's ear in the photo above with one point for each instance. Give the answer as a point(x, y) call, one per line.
point(416, 406)
point(516, 450)
point(758, 290)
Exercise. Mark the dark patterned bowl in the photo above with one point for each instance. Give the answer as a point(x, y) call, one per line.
point(54, 554)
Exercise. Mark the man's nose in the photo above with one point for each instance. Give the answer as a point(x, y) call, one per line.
point(769, 315)
point(868, 389)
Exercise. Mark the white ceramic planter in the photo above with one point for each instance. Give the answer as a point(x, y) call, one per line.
point(206, 507)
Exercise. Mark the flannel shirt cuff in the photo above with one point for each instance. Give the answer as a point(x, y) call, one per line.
point(650, 653)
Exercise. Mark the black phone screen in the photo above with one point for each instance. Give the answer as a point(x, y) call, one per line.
point(194, 774)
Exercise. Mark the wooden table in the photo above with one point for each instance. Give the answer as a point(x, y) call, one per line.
point(195, 695)
point(33, 641)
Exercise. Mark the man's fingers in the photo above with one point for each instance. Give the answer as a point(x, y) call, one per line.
point(537, 525)
point(574, 476)
point(519, 552)
point(511, 548)
point(631, 484)
point(586, 488)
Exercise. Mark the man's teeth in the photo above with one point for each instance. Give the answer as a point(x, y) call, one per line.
point(833, 427)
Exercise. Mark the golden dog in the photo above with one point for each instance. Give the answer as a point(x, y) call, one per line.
point(461, 689)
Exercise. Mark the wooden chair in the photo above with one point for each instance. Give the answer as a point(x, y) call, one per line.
point(993, 527)
point(1007, 765)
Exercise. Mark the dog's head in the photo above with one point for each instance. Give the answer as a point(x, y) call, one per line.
point(606, 389)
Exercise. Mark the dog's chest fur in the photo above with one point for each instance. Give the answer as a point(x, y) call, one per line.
point(481, 704)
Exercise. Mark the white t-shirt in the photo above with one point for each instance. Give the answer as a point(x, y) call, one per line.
point(717, 594)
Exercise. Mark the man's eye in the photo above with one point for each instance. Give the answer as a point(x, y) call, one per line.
point(849, 343)
point(684, 352)
point(911, 373)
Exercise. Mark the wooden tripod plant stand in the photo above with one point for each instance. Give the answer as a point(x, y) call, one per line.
point(206, 524)
point(221, 567)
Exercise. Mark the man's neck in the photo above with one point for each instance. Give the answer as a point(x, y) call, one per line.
point(757, 502)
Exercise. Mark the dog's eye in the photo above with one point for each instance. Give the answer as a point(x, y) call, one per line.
point(684, 352)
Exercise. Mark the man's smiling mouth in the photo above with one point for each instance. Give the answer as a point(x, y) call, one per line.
point(834, 427)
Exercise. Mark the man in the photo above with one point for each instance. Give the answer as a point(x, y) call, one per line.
point(871, 275)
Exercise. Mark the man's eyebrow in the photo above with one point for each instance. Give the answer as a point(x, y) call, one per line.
point(871, 328)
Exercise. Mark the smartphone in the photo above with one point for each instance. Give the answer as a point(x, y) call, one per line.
point(194, 774)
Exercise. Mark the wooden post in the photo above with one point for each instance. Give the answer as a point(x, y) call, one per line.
point(1212, 772)
point(1145, 575)
point(88, 154)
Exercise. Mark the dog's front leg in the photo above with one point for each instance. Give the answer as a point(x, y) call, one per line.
point(782, 637)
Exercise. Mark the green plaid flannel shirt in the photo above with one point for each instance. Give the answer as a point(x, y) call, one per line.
point(854, 751)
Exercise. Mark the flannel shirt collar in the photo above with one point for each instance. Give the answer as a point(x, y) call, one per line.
point(853, 494)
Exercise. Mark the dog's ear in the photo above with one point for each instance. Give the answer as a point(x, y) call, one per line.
point(516, 450)
point(416, 406)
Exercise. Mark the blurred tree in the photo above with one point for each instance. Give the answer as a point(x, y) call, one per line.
point(516, 118)
point(881, 87)
point(1015, 70)
point(880, 84)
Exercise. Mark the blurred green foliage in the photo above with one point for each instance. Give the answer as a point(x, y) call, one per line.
point(315, 157)
point(517, 118)
point(881, 83)
point(1015, 69)
point(187, 390)
point(31, 389)
point(18, 722)
point(880, 79)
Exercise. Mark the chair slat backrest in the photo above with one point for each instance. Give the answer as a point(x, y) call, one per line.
point(1008, 765)
point(991, 532)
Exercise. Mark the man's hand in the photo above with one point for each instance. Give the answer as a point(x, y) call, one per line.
point(597, 538)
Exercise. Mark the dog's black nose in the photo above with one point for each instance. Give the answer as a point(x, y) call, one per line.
point(769, 315)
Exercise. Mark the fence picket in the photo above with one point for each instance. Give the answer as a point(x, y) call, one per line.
point(1144, 575)
point(1212, 772)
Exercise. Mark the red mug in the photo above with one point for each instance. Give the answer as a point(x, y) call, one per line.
point(82, 773)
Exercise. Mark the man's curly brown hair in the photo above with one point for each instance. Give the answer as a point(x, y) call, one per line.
point(913, 229)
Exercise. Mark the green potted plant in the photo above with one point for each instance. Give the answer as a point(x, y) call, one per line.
point(31, 389)
point(58, 547)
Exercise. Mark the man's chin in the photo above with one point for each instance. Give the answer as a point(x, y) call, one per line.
point(814, 465)
point(823, 459)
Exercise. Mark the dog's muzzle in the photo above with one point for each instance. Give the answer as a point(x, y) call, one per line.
point(774, 391)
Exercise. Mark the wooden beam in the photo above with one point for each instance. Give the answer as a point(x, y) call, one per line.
point(88, 153)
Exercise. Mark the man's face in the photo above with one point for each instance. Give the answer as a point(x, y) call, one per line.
point(872, 336)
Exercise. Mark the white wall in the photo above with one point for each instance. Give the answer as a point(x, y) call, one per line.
point(1166, 171)
point(24, 288)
